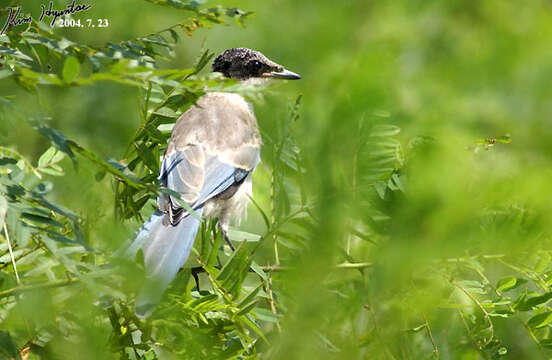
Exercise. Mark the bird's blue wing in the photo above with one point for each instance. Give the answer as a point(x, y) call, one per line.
point(197, 177)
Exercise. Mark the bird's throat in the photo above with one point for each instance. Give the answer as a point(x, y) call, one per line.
point(255, 81)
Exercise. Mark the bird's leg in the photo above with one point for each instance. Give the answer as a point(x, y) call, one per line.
point(226, 238)
point(195, 272)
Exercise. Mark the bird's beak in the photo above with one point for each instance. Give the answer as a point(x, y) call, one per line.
point(284, 74)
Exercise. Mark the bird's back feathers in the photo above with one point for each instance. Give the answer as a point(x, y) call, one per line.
point(225, 125)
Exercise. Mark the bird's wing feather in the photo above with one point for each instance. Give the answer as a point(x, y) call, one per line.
point(197, 176)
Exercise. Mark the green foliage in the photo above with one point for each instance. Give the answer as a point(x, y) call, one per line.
point(401, 210)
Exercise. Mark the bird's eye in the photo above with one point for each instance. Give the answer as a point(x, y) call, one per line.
point(255, 65)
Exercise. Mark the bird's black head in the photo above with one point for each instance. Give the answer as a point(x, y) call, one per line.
point(243, 64)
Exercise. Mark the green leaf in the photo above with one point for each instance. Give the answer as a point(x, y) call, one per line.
point(544, 260)
point(530, 303)
point(506, 283)
point(245, 308)
point(257, 269)
point(71, 69)
point(231, 265)
point(179, 101)
point(178, 4)
point(212, 257)
point(470, 284)
point(237, 235)
point(3, 210)
point(417, 328)
point(263, 214)
point(540, 320)
point(43, 187)
point(50, 157)
point(397, 180)
point(246, 300)
point(204, 303)
point(147, 156)
point(203, 60)
point(58, 139)
point(167, 112)
point(53, 170)
point(8, 349)
point(546, 343)
point(37, 219)
point(505, 139)
point(509, 283)
point(6, 73)
point(165, 128)
point(174, 35)
point(380, 187)
point(385, 130)
point(32, 78)
point(233, 273)
point(255, 328)
point(266, 315)
point(501, 313)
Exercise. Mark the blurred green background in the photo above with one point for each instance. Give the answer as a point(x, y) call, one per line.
point(452, 76)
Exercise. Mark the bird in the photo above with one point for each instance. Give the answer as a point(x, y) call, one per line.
point(212, 152)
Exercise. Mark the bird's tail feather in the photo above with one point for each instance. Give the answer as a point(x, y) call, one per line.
point(166, 248)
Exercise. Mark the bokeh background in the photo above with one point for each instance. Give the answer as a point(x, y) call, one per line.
point(462, 88)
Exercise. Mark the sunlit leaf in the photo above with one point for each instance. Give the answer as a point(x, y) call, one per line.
point(71, 69)
point(540, 320)
point(509, 283)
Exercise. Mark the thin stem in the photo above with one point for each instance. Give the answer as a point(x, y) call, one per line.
point(273, 217)
point(353, 265)
point(482, 308)
point(272, 303)
point(22, 288)
point(11, 255)
point(354, 188)
point(475, 344)
point(279, 268)
point(430, 334)
point(532, 336)
point(25, 253)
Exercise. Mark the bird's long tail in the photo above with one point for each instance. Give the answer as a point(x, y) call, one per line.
point(166, 248)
